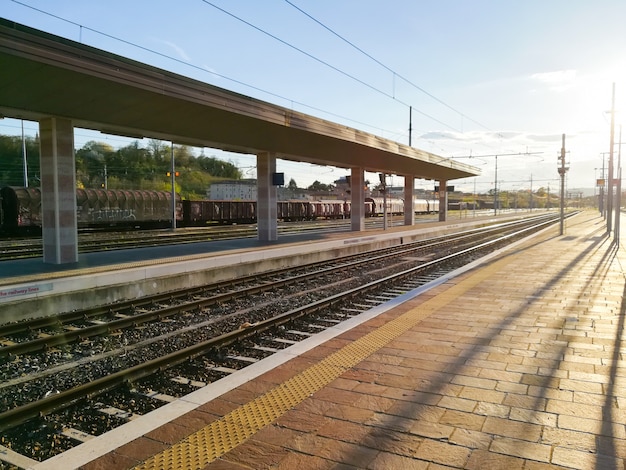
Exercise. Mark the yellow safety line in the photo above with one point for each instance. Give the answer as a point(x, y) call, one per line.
point(221, 436)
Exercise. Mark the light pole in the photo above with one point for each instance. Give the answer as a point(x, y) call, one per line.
point(530, 203)
point(602, 185)
point(562, 170)
point(495, 191)
point(609, 201)
point(24, 160)
point(618, 201)
point(173, 176)
point(383, 182)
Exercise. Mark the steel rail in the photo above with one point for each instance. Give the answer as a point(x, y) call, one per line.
point(70, 336)
point(82, 315)
point(23, 413)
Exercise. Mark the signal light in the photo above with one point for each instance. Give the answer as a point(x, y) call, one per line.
point(176, 173)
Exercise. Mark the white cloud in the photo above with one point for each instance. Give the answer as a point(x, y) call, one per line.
point(180, 52)
point(560, 80)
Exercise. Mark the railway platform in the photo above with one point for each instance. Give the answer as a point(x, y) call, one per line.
point(29, 287)
point(516, 363)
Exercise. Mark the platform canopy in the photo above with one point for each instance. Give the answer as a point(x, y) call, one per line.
point(43, 75)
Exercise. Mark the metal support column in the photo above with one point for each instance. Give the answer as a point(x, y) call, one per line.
point(267, 224)
point(357, 198)
point(409, 195)
point(58, 191)
point(443, 201)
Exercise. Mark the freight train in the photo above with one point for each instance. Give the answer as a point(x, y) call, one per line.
point(99, 208)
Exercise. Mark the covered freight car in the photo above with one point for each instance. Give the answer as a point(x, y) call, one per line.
point(331, 209)
point(395, 206)
point(425, 206)
point(21, 208)
point(197, 213)
point(119, 207)
point(296, 210)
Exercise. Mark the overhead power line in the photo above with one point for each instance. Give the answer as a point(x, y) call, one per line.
point(385, 66)
point(203, 69)
point(323, 62)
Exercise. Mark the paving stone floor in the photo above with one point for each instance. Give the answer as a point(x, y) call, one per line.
point(517, 364)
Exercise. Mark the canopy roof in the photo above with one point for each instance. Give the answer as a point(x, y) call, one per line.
point(46, 75)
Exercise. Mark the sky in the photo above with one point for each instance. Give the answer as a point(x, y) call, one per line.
point(483, 81)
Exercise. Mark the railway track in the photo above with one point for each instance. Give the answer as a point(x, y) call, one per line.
point(80, 374)
point(21, 248)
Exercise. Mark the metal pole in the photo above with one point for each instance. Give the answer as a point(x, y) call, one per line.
point(383, 180)
point(609, 201)
point(24, 161)
point(475, 201)
point(410, 123)
point(562, 202)
point(601, 200)
point(495, 190)
point(618, 199)
point(530, 209)
point(173, 177)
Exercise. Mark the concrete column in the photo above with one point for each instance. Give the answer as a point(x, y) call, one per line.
point(443, 201)
point(58, 191)
point(357, 204)
point(409, 194)
point(267, 225)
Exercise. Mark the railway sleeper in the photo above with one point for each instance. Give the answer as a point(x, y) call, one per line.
point(299, 333)
point(163, 397)
point(265, 349)
point(351, 310)
point(77, 434)
point(249, 360)
point(364, 307)
point(13, 458)
point(185, 381)
point(331, 320)
point(225, 370)
point(384, 297)
point(288, 342)
point(117, 413)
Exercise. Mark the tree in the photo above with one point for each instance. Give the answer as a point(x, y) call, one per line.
point(321, 187)
point(158, 151)
point(292, 184)
point(91, 164)
point(130, 167)
point(12, 160)
point(218, 168)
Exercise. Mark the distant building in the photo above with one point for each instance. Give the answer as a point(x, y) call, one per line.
point(233, 190)
point(246, 190)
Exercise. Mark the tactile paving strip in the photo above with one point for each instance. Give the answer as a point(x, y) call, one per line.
point(219, 437)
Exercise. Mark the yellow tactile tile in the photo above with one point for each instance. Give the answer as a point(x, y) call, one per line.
point(223, 435)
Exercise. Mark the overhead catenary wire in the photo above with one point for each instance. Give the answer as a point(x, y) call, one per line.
point(200, 68)
point(327, 64)
point(395, 73)
point(205, 70)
